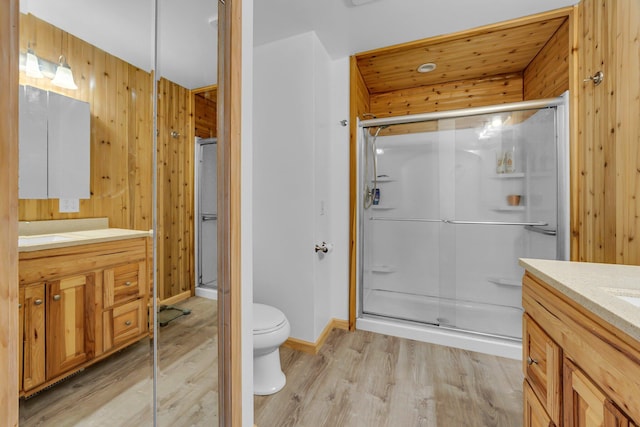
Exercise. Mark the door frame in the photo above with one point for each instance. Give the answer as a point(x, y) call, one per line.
point(9, 16)
point(229, 212)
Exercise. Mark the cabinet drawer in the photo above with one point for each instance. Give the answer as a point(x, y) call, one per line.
point(542, 364)
point(124, 323)
point(123, 283)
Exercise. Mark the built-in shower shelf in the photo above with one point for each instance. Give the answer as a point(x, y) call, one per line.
point(384, 179)
point(501, 281)
point(509, 209)
point(382, 207)
point(383, 269)
point(511, 175)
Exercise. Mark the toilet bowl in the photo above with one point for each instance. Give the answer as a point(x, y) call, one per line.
point(270, 329)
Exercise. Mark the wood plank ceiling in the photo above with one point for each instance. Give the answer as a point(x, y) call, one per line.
point(474, 56)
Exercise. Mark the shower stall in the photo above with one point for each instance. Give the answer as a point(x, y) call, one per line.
point(449, 203)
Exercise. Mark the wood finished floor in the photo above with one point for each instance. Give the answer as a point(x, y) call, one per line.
point(118, 390)
point(362, 379)
point(358, 379)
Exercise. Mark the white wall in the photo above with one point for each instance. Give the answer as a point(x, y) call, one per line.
point(296, 132)
point(339, 188)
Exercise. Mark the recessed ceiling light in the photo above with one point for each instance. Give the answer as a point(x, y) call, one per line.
point(426, 68)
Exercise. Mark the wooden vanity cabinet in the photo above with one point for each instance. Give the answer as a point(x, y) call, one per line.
point(80, 304)
point(595, 365)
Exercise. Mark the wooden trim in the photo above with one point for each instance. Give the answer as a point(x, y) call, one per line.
point(204, 89)
point(314, 348)
point(177, 298)
point(229, 213)
point(9, 18)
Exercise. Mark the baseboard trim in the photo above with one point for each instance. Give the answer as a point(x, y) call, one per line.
point(314, 348)
point(176, 298)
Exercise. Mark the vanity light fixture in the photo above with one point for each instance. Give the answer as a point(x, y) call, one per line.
point(32, 66)
point(64, 76)
point(36, 67)
point(426, 67)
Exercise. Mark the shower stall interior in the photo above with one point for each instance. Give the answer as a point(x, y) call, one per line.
point(206, 221)
point(450, 202)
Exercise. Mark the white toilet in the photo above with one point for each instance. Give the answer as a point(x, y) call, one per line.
point(270, 329)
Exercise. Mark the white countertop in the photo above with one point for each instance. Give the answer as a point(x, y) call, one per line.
point(38, 242)
point(597, 287)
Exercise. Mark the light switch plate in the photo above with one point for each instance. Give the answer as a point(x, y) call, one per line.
point(69, 205)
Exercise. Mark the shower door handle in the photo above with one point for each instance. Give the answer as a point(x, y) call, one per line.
point(209, 217)
point(545, 231)
point(535, 224)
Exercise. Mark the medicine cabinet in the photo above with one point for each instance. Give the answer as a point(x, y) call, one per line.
point(54, 146)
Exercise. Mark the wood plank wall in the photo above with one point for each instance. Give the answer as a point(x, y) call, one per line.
point(175, 193)
point(205, 113)
point(547, 76)
point(609, 132)
point(120, 97)
point(9, 214)
point(455, 95)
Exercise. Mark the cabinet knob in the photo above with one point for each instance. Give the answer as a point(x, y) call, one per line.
point(128, 323)
point(597, 78)
point(127, 283)
point(56, 297)
point(37, 302)
point(19, 305)
point(531, 361)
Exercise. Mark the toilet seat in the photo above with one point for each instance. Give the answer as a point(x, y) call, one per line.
point(267, 319)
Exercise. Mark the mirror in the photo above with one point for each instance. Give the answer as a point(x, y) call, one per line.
point(104, 341)
point(187, 381)
point(87, 353)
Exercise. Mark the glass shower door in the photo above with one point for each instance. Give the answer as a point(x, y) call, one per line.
point(453, 204)
point(207, 215)
point(402, 227)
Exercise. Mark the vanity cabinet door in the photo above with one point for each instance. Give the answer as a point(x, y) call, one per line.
point(542, 364)
point(34, 336)
point(585, 405)
point(70, 323)
point(533, 411)
point(20, 336)
point(614, 417)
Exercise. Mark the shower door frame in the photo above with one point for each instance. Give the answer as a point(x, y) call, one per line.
point(561, 104)
point(199, 142)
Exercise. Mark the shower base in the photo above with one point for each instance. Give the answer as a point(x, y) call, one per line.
point(485, 328)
